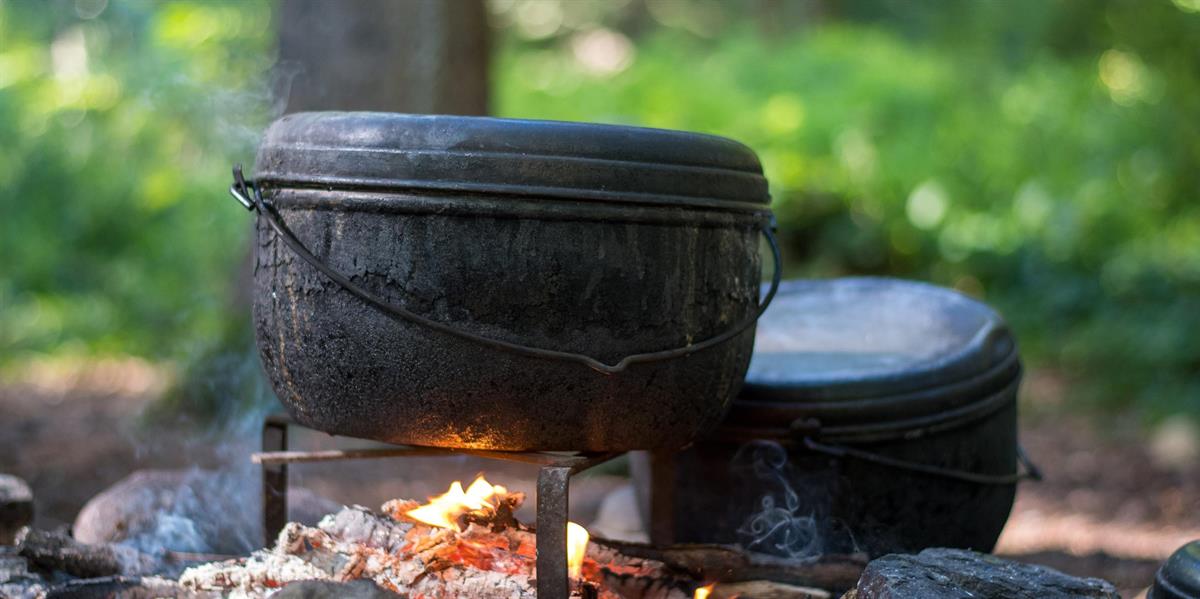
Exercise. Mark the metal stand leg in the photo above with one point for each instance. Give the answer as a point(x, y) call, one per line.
point(553, 490)
point(662, 498)
point(274, 480)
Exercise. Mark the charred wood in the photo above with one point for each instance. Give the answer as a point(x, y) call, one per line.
point(56, 551)
point(731, 564)
point(764, 589)
point(122, 587)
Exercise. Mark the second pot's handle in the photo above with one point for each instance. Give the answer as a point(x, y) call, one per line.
point(250, 197)
point(1028, 470)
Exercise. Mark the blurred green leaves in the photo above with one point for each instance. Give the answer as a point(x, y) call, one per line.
point(1043, 155)
point(117, 127)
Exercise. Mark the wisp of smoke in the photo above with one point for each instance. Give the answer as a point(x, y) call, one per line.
point(781, 525)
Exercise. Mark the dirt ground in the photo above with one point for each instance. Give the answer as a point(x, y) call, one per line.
point(1111, 506)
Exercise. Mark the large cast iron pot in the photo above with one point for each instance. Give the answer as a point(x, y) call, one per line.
point(504, 284)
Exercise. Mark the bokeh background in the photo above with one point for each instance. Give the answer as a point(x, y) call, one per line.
point(1043, 156)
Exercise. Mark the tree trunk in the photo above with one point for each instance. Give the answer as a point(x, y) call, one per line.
point(416, 56)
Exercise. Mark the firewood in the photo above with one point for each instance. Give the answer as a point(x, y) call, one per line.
point(122, 587)
point(732, 564)
point(57, 551)
point(490, 558)
point(764, 589)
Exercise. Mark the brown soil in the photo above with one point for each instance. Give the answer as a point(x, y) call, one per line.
point(1108, 507)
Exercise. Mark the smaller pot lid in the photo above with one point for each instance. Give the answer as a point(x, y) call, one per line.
point(858, 338)
point(525, 158)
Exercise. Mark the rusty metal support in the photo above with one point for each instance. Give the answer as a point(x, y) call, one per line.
point(553, 490)
point(662, 498)
point(553, 498)
point(274, 479)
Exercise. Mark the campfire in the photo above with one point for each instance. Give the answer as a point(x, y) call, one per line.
point(462, 543)
point(466, 542)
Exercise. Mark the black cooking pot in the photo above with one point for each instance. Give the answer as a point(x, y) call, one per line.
point(878, 415)
point(504, 284)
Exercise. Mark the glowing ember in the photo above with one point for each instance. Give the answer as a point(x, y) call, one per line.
point(703, 592)
point(577, 542)
point(443, 510)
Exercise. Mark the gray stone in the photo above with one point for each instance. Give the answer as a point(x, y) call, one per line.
point(16, 507)
point(123, 587)
point(201, 511)
point(959, 574)
point(16, 579)
point(324, 589)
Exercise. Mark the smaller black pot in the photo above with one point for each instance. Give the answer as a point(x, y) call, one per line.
point(878, 416)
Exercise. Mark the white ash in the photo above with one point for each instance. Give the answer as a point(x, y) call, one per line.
point(354, 543)
point(360, 525)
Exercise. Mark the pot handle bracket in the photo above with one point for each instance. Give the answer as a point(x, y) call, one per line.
point(248, 194)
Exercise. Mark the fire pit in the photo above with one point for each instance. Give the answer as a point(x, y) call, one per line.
point(554, 553)
point(553, 549)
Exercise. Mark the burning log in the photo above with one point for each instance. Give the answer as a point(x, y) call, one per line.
point(465, 543)
point(731, 564)
point(303, 553)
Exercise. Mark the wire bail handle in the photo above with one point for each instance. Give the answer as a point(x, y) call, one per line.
point(250, 197)
point(1028, 469)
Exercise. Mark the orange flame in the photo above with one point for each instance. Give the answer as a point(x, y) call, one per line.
point(703, 592)
point(577, 542)
point(443, 510)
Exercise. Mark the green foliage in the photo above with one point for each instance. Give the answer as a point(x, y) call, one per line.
point(116, 135)
point(1043, 155)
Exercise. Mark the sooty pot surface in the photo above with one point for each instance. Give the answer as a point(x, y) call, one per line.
point(574, 238)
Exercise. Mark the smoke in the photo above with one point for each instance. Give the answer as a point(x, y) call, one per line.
point(783, 524)
point(211, 505)
point(196, 510)
point(213, 416)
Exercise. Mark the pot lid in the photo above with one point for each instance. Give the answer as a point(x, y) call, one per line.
point(858, 338)
point(512, 157)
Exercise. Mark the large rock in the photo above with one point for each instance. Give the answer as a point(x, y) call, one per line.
point(16, 507)
point(326, 589)
point(201, 511)
point(959, 574)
